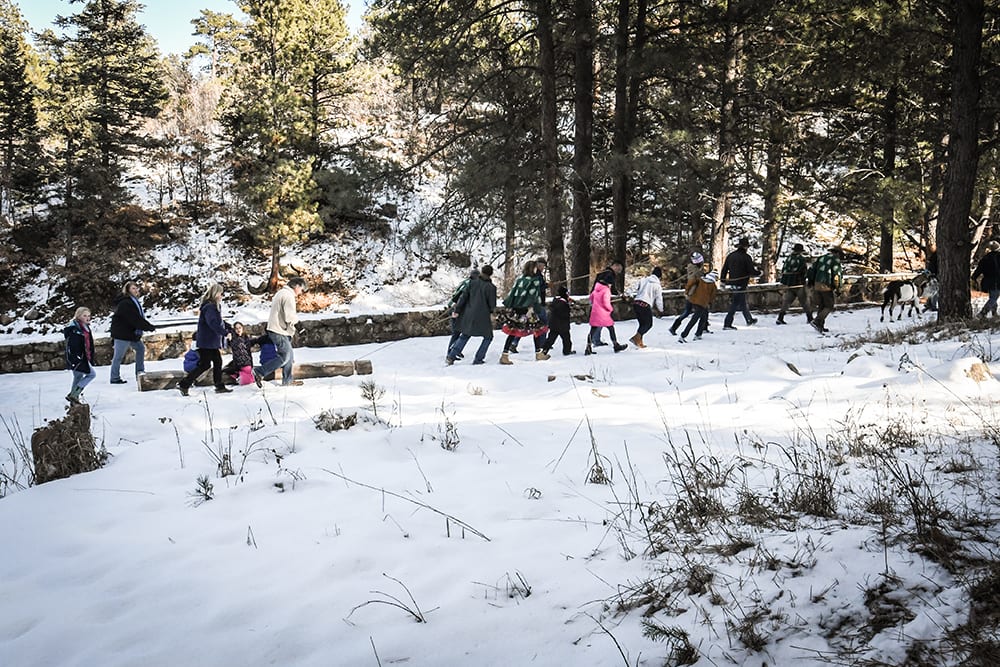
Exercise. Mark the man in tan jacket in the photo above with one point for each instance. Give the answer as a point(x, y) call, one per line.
point(280, 329)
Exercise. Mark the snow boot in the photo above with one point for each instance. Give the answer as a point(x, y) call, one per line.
point(541, 356)
point(589, 351)
point(505, 359)
point(781, 319)
point(620, 346)
point(637, 341)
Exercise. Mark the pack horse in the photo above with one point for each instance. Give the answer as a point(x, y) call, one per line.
point(903, 293)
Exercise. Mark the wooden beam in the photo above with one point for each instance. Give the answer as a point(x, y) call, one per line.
point(155, 380)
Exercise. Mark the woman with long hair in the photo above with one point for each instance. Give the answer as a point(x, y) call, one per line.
point(209, 340)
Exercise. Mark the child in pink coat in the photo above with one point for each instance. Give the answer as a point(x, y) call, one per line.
point(600, 311)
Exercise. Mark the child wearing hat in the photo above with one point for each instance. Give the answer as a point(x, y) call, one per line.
point(700, 293)
point(694, 270)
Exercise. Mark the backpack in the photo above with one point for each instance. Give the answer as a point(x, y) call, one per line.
point(811, 275)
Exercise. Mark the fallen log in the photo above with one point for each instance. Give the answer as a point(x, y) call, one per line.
point(155, 380)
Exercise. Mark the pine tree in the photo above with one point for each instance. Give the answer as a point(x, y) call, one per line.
point(278, 116)
point(108, 60)
point(20, 150)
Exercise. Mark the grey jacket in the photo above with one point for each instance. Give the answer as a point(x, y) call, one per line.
point(475, 307)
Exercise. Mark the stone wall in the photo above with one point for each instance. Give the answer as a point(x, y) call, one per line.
point(353, 330)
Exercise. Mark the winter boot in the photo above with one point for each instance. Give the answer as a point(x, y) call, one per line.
point(589, 351)
point(637, 341)
point(541, 356)
point(781, 319)
point(505, 359)
point(620, 346)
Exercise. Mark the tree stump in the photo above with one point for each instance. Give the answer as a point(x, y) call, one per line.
point(65, 446)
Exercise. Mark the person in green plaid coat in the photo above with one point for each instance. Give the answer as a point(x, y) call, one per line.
point(827, 277)
point(793, 277)
point(522, 303)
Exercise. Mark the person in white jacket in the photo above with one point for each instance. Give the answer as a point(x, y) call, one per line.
point(648, 296)
point(280, 329)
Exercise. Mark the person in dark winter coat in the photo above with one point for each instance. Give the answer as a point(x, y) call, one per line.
point(127, 326)
point(988, 270)
point(452, 313)
point(475, 309)
point(209, 339)
point(793, 277)
point(737, 271)
point(559, 321)
point(79, 353)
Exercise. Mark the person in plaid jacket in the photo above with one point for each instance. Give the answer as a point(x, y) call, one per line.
point(827, 277)
point(793, 277)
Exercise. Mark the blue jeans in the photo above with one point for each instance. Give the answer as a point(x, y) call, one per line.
point(81, 379)
point(459, 345)
point(739, 303)
point(121, 347)
point(688, 309)
point(455, 332)
point(990, 308)
point(283, 360)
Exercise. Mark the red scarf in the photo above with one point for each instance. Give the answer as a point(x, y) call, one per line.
point(86, 339)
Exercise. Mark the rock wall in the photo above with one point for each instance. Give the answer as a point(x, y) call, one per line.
point(352, 330)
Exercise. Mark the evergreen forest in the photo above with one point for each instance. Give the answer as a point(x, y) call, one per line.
point(581, 130)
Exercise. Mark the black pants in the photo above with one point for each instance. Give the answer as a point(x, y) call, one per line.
point(567, 344)
point(206, 357)
point(644, 314)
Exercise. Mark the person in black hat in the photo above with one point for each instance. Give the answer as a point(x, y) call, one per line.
point(793, 277)
point(827, 276)
point(737, 271)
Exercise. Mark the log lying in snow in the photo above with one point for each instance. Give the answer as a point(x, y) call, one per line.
point(169, 379)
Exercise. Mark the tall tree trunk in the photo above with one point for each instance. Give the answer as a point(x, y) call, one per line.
point(733, 50)
point(272, 280)
point(510, 224)
point(772, 194)
point(887, 223)
point(583, 145)
point(621, 179)
point(953, 235)
point(550, 147)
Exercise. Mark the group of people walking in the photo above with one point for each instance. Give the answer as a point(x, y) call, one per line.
point(129, 323)
point(527, 313)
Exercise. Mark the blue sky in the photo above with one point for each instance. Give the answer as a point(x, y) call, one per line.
point(168, 21)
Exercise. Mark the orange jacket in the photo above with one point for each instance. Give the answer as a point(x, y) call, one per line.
point(700, 293)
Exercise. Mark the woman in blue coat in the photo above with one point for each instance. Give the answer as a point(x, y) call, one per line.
point(209, 339)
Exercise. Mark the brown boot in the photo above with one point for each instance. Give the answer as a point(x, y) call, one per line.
point(505, 359)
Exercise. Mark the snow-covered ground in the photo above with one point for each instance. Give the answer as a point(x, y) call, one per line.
point(327, 546)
